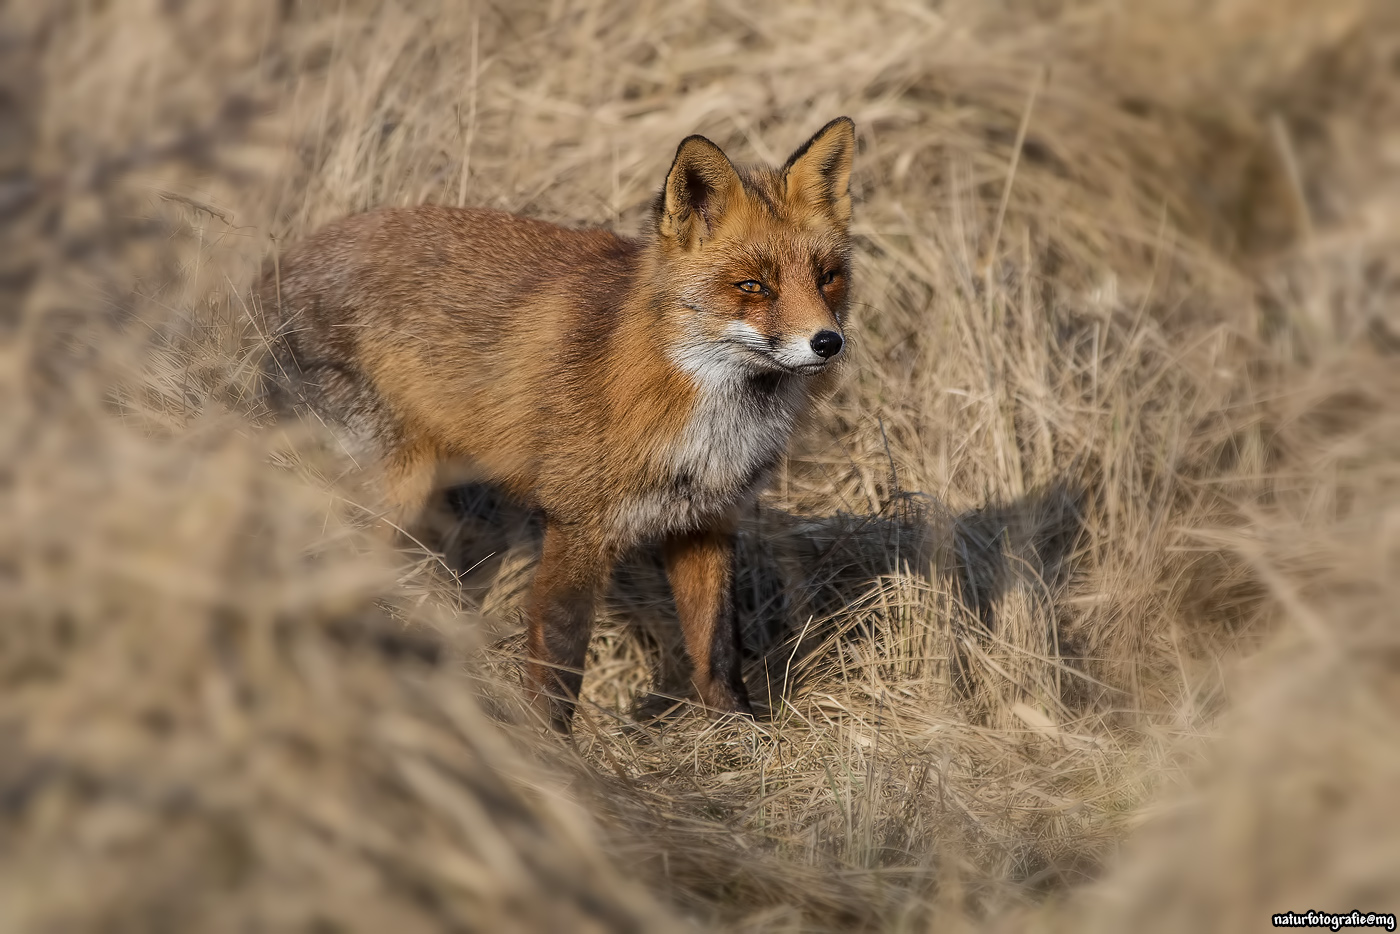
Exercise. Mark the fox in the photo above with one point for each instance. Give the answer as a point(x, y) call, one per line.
point(631, 391)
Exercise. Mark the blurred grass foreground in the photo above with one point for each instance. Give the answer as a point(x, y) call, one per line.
point(1079, 610)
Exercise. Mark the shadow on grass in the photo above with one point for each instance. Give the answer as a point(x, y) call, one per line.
point(804, 583)
point(1010, 560)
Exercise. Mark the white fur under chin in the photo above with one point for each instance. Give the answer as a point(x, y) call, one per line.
point(740, 351)
point(733, 431)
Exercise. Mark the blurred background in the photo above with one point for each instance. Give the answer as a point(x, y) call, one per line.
point(1079, 608)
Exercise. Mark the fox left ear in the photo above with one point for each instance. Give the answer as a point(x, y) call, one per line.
point(819, 172)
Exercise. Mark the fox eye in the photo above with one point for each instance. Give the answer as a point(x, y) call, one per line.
point(829, 277)
point(752, 286)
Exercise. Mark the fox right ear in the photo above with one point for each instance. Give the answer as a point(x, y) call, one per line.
point(699, 189)
point(820, 171)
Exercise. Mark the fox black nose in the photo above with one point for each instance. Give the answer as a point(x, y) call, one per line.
point(826, 344)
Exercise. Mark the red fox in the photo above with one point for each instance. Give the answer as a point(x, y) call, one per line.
point(630, 390)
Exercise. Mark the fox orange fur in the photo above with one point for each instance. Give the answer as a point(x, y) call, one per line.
point(630, 390)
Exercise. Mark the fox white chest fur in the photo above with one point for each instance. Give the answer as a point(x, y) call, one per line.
point(730, 445)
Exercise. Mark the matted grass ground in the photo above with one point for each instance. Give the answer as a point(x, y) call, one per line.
point(1078, 610)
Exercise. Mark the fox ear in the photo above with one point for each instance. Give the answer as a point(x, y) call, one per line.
point(699, 189)
point(819, 172)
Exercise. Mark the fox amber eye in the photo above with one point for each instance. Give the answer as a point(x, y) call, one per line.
point(829, 277)
point(752, 286)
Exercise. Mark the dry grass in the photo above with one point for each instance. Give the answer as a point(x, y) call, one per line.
point(1077, 611)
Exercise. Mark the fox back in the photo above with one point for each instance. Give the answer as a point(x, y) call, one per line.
point(629, 389)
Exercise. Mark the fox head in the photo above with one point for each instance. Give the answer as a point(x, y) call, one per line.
point(755, 262)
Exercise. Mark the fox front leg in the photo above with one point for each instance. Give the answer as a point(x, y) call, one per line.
point(559, 614)
point(700, 566)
